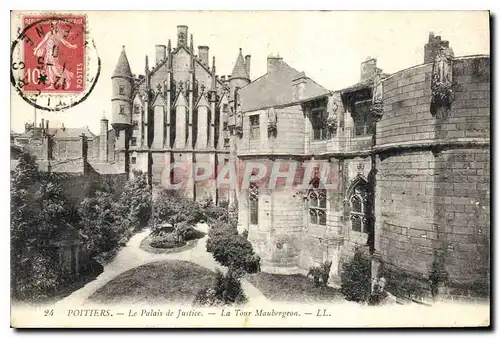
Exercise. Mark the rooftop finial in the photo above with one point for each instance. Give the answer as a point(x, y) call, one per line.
point(123, 47)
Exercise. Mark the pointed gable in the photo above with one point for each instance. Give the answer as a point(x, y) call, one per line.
point(180, 100)
point(240, 68)
point(203, 102)
point(122, 68)
point(159, 100)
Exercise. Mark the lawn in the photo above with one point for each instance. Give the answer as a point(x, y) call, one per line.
point(292, 288)
point(172, 282)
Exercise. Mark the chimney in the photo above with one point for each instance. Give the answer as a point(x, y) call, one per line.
point(431, 48)
point(182, 35)
point(274, 63)
point(103, 140)
point(298, 86)
point(84, 146)
point(161, 53)
point(203, 54)
point(247, 64)
point(368, 68)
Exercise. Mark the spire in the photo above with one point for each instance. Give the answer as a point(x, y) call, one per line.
point(169, 47)
point(122, 68)
point(104, 116)
point(240, 69)
point(213, 65)
point(191, 45)
point(146, 66)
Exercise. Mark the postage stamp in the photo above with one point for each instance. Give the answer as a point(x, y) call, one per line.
point(55, 55)
point(54, 63)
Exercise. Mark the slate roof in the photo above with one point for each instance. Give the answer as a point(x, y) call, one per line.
point(122, 67)
point(240, 68)
point(275, 89)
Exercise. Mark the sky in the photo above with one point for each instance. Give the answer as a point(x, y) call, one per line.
point(328, 46)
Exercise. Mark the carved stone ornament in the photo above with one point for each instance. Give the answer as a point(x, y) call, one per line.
point(238, 127)
point(272, 121)
point(377, 107)
point(442, 82)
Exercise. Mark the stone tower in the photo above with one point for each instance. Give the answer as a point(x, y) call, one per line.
point(240, 76)
point(121, 106)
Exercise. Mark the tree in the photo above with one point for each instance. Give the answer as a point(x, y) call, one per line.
point(38, 210)
point(98, 224)
point(134, 205)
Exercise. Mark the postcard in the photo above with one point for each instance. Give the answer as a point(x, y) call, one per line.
point(260, 169)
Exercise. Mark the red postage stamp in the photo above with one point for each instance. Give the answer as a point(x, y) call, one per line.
point(54, 53)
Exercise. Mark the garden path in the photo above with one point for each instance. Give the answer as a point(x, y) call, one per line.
point(132, 256)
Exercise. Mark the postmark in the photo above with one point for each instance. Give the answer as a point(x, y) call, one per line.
point(54, 60)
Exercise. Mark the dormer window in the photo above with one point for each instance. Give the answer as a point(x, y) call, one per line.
point(254, 127)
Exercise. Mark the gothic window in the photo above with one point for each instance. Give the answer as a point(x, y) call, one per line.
point(121, 90)
point(359, 208)
point(133, 160)
point(317, 207)
point(226, 142)
point(254, 127)
point(253, 198)
point(318, 117)
point(133, 141)
point(137, 109)
point(122, 109)
point(224, 126)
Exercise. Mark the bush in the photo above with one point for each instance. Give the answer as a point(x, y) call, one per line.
point(187, 232)
point(217, 233)
point(320, 274)
point(355, 277)
point(225, 290)
point(171, 208)
point(167, 241)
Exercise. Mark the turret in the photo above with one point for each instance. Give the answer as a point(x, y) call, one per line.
point(121, 102)
point(239, 77)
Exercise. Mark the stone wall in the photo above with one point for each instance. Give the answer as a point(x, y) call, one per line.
point(432, 184)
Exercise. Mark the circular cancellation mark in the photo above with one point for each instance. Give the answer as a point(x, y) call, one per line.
point(54, 64)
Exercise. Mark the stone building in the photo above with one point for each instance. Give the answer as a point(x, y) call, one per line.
point(409, 153)
point(175, 113)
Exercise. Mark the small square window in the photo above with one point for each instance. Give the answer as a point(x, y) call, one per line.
point(226, 142)
point(133, 141)
point(122, 109)
point(121, 90)
point(133, 160)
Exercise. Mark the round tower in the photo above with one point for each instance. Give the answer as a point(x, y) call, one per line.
point(121, 100)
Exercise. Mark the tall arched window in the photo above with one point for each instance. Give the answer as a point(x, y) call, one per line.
point(253, 199)
point(360, 207)
point(317, 207)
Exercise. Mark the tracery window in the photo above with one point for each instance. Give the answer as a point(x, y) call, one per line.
point(317, 207)
point(253, 197)
point(359, 201)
